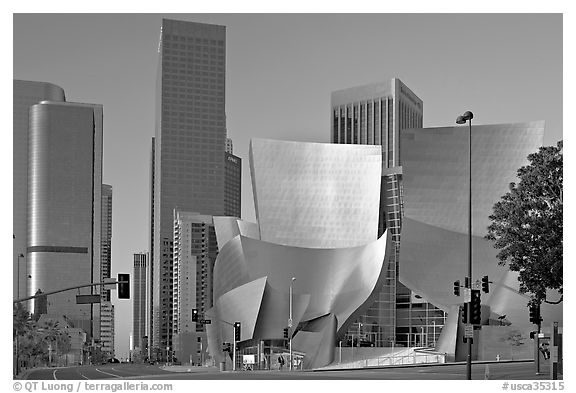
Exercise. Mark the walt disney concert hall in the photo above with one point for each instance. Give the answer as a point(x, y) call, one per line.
point(314, 253)
point(317, 212)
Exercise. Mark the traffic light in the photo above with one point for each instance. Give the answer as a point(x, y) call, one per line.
point(285, 332)
point(123, 286)
point(194, 315)
point(465, 313)
point(237, 331)
point(475, 308)
point(485, 286)
point(535, 313)
point(457, 288)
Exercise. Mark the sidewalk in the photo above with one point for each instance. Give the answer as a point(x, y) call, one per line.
point(189, 369)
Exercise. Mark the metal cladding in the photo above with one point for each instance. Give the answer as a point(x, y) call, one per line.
point(435, 223)
point(314, 194)
point(64, 202)
point(25, 94)
point(252, 274)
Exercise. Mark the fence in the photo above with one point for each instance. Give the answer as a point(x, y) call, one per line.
point(408, 356)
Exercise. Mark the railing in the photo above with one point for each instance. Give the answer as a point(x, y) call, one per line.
point(409, 356)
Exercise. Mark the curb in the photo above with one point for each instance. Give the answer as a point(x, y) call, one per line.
point(423, 365)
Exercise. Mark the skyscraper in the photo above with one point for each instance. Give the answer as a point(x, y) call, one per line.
point(151, 285)
point(232, 185)
point(195, 251)
point(106, 235)
point(107, 328)
point(189, 147)
point(64, 206)
point(374, 115)
point(139, 295)
point(25, 94)
point(106, 331)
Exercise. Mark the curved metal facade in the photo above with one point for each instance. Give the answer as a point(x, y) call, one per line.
point(297, 186)
point(314, 194)
point(433, 250)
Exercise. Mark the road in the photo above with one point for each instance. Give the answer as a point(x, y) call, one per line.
point(497, 371)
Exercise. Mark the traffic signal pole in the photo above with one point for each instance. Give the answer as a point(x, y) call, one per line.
point(234, 349)
point(67, 289)
point(469, 341)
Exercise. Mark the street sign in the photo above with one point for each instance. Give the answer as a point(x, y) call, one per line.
point(540, 335)
point(87, 299)
point(112, 284)
point(289, 322)
point(468, 331)
point(206, 321)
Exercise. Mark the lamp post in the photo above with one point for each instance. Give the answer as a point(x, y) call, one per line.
point(18, 278)
point(290, 323)
point(468, 116)
point(422, 336)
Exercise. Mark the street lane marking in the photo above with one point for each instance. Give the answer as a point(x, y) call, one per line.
point(54, 375)
point(82, 375)
point(104, 372)
point(130, 373)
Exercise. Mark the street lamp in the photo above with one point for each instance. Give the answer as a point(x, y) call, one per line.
point(422, 336)
point(468, 116)
point(18, 279)
point(290, 323)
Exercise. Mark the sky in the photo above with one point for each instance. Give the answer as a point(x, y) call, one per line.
point(280, 71)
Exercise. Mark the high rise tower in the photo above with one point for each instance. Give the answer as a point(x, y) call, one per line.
point(195, 251)
point(25, 94)
point(139, 314)
point(189, 148)
point(64, 206)
point(106, 234)
point(106, 331)
point(375, 114)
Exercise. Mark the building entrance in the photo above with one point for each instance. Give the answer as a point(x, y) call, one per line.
point(268, 354)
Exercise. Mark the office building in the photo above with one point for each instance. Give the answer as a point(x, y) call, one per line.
point(107, 329)
point(232, 185)
point(190, 140)
point(106, 341)
point(25, 94)
point(106, 233)
point(229, 146)
point(150, 291)
point(375, 114)
point(139, 295)
point(195, 251)
point(64, 206)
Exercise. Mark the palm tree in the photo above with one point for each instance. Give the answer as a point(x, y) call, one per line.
point(22, 325)
point(54, 338)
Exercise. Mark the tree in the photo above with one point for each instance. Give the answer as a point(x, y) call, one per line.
point(54, 339)
point(527, 225)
